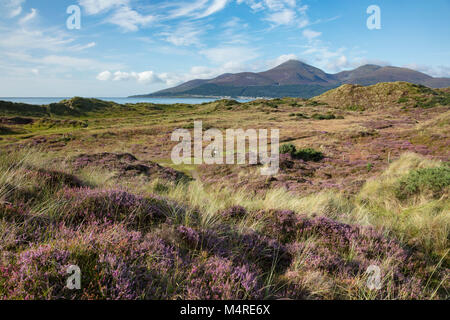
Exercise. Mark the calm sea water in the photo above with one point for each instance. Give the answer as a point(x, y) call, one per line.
point(41, 101)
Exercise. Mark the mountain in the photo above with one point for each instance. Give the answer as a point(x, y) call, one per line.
point(297, 79)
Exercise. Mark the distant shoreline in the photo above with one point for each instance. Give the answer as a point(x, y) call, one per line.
point(118, 100)
point(198, 97)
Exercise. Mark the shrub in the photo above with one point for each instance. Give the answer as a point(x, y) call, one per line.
point(235, 212)
point(329, 116)
point(356, 107)
point(307, 154)
point(288, 149)
point(432, 180)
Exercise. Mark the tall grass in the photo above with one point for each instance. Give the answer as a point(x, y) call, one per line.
point(196, 226)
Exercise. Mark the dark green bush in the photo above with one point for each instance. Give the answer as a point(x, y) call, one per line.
point(288, 149)
point(307, 154)
point(403, 100)
point(323, 116)
point(356, 107)
point(432, 180)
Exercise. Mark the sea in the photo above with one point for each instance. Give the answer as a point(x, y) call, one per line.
point(48, 100)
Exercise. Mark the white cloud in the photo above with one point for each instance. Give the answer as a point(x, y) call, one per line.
point(29, 17)
point(216, 6)
point(435, 71)
point(104, 76)
point(281, 59)
point(22, 38)
point(184, 35)
point(83, 47)
point(146, 77)
point(187, 8)
point(280, 12)
point(311, 34)
point(285, 16)
point(222, 55)
point(197, 9)
point(11, 8)
point(97, 6)
point(130, 20)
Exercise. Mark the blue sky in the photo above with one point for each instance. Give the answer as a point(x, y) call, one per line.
point(127, 47)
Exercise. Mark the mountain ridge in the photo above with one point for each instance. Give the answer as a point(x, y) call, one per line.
point(297, 79)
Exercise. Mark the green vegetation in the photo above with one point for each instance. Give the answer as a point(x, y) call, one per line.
point(426, 180)
point(328, 116)
point(356, 107)
point(307, 154)
point(100, 190)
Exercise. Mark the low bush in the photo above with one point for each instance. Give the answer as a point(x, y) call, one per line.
point(307, 154)
point(329, 116)
point(426, 180)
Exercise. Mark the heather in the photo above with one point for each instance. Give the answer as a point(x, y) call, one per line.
point(91, 183)
point(185, 242)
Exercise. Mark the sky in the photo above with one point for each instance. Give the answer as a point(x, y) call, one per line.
point(127, 47)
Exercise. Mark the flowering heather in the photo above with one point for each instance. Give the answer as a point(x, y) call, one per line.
point(280, 224)
point(249, 246)
point(114, 206)
point(126, 165)
point(234, 212)
point(37, 273)
point(189, 236)
point(115, 264)
point(53, 178)
point(219, 279)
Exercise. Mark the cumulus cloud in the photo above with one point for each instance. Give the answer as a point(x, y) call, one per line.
point(104, 76)
point(145, 77)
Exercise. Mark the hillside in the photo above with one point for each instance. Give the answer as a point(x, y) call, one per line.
point(296, 79)
point(384, 95)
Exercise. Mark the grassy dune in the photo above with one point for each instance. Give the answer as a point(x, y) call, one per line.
point(94, 186)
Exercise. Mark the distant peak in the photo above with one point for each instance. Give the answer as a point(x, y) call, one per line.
point(291, 64)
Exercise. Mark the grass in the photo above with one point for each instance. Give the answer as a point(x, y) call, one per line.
point(310, 232)
point(194, 212)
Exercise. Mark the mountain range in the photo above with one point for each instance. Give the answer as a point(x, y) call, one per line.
point(295, 79)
